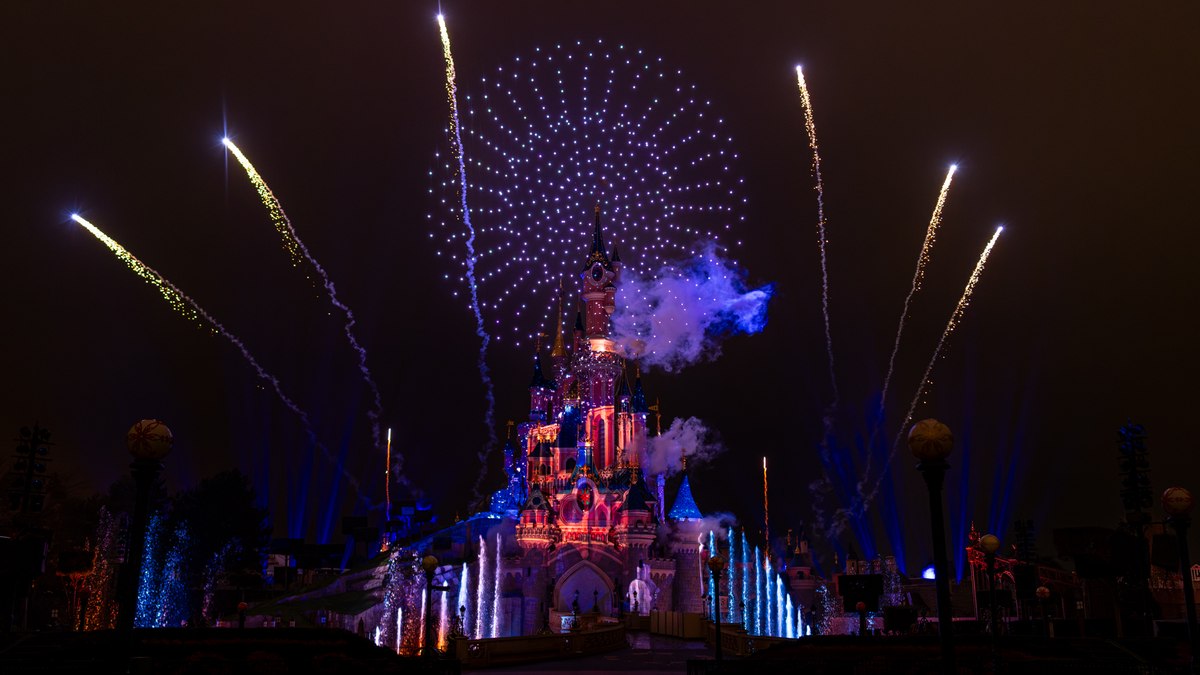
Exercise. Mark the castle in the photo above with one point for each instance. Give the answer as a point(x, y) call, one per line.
point(589, 531)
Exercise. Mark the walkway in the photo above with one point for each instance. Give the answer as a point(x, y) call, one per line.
point(647, 654)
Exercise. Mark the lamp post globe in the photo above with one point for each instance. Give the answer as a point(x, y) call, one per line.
point(149, 440)
point(930, 440)
point(989, 543)
point(1177, 501)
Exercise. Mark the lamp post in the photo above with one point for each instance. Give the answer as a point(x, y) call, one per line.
point(430, 564)
point(1043, 594)
point(989, 544)
point(149, 441)
point(716, 565)
point(1177, 502)
point(930, 442)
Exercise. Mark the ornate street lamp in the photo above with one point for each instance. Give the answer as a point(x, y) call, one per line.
point(1043, 594)
point(930, 442)
point(149, 442)
point(989, 544)
point(716, 565)
point(1177, 502)
point(430, 564)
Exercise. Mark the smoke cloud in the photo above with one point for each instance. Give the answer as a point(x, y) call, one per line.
point(679, 315)
point(684, 437)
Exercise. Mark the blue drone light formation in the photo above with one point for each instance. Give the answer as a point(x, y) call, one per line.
point(554, 132)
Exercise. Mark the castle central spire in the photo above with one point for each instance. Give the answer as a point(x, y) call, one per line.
point(599, 287)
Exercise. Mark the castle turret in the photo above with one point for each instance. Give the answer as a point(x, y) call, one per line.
point(541, 392)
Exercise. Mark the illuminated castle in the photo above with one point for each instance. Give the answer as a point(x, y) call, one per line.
point(587, 523)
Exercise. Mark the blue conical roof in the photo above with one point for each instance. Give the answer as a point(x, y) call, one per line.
point(685, 505)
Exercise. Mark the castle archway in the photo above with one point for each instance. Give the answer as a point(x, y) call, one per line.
point(586, 584)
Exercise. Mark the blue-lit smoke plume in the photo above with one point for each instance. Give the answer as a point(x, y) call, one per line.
point(679, 315)
point(469, 259)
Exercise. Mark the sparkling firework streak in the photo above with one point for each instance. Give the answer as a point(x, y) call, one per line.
point(766, 510)
point(387, 485)
point(188, 307)
point(811, 127)
point(955, 317)
point(461, 184)
point(918, 277)
point(553, 132)
point(298, 251)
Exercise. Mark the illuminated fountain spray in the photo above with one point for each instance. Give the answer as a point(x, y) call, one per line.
point(400, 627)
point(148, 578)
point(779, 605)
point(443, 619)
point(747, 603)
point(714, 590)
point(496, 591)
point(480, 585)
point(425, 607)
point(735, 616)
point(768, 606)
point(760, 593)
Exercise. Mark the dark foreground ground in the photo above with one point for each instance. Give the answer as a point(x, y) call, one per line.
point(278, 651)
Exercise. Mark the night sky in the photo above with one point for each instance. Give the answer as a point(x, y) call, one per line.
point(1074, 124)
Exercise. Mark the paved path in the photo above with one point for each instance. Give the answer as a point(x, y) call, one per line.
point(647, 654)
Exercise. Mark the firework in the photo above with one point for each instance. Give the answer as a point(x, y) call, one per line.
point(189, 308)
point(470, 258)
point(811, 128)
point(299, 251)
point(766, 510)
point(918, 277)
point(955, 317)
point(557, 130)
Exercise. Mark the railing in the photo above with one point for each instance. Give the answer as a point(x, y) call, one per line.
point(738, 642)
point(488, 652)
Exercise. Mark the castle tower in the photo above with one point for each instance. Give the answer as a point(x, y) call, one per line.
point(599, 289)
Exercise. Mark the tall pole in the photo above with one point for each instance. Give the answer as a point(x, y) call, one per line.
point(1177, 502)
point(716, 564)
point(931, 442)
point(429, 564)
point(989, 544)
